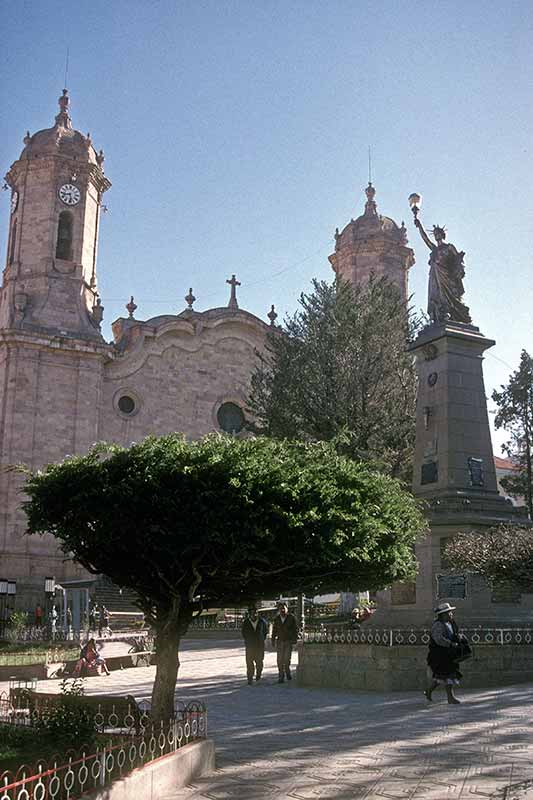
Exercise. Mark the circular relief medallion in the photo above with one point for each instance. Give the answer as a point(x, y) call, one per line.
point(432, 378)
point(430, 352)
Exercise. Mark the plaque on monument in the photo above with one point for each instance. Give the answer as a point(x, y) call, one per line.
point(475, 468)
point(430, 472)
point(507, 592)
point(403, 593)
point(451, 586)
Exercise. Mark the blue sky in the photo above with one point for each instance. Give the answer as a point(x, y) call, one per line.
point(236, 136)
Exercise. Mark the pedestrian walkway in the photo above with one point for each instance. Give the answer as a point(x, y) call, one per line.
point(281, 742)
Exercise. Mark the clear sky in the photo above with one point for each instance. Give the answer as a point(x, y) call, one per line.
point(236, 136)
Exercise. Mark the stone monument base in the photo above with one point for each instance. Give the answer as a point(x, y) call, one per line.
point(373, 668)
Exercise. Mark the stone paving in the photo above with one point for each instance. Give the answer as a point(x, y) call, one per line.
point(281, 742)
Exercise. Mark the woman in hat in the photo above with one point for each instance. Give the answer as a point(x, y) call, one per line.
point(445, 648)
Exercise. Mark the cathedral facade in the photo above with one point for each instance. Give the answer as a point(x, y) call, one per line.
point(63, 387)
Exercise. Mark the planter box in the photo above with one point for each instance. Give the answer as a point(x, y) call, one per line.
point(162, 776)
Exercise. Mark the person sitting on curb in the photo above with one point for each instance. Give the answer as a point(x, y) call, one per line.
point(90, 660)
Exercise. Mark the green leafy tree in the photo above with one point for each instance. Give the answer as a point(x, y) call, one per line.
point(192, 525)
point(339, 371)
point(515, 415)
point(502, 554)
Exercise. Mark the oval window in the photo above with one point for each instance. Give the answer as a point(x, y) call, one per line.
point(126, 404)
point(230, 418)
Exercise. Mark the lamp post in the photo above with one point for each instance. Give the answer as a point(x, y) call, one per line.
point(49, 591)
point(3, 606)
point(415, 201)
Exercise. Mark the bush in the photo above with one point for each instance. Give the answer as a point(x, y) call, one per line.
point(70, 723)
point(18, 621)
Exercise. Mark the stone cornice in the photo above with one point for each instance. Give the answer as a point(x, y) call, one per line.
point(13, 337)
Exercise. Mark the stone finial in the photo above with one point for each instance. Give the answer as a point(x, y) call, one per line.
point(27, 138)
point(131, 307)
point(100, 158)
point(370, 205)
point(63, 118)
point(233, 295)
point(403, 233)
point(189, 299)
point(272, 315)
point(98, 312)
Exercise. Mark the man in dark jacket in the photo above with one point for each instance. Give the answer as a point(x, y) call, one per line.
point(254, 631)
point(284, 637)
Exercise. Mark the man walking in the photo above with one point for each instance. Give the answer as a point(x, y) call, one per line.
point(254, 630)
point(284, 637)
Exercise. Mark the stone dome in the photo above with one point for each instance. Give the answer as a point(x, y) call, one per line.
point(61, 139)
point(370, 224)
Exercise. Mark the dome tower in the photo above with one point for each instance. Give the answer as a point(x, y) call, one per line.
point(372, 244)
point(50, 274)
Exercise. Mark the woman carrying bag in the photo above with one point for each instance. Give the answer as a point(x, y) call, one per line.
point(447, 648)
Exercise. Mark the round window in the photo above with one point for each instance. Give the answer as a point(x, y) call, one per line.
point(126, 404)
point(230, 418)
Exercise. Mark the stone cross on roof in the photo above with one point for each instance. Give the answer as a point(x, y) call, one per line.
point(233, 296)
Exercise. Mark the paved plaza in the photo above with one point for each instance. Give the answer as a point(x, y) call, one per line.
point(276, 742)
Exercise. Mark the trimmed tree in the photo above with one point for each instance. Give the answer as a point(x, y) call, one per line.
point(503, 555)
point(515, 415)
point(192, 525)
point(339, 371)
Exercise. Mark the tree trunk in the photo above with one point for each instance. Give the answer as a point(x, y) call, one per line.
point(167, 645)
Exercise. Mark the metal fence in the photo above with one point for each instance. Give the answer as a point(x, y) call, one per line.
point(390, 637)
point(87, 769)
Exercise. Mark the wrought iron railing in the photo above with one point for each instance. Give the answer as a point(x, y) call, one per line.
point(389, 637)
point(89, 769)
point(41, 633)
point(213, 624)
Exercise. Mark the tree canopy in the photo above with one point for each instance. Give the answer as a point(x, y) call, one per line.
point(502, 554)
point(339, 371)
point(219, 521)
point(515, 415)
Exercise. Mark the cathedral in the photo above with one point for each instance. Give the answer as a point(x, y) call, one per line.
point(63, 387)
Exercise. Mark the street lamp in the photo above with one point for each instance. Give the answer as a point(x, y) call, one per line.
point(49, 585)
point(415, 201)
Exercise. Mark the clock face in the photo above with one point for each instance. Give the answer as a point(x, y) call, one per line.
point(69, 194)
point(14, 202)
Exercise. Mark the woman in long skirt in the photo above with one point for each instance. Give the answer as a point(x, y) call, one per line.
point(445, 647)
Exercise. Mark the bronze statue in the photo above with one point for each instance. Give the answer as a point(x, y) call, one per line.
point(446, 273)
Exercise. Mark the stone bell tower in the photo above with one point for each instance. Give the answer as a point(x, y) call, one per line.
point(372, 244)
point(52, 354)
point(50, 274)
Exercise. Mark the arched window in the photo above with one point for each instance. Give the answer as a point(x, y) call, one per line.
point(13, 242)
point(64, 236)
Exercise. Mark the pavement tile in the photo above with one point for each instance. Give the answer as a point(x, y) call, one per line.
point(293, 743)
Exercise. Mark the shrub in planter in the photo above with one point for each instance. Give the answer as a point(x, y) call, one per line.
point(70, 722)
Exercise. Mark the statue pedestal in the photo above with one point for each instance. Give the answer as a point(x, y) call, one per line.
point(454, 474)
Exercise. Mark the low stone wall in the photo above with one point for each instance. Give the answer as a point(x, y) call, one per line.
point(210, 633)
point(43, 671)
point(162, 776)
point(374, 668)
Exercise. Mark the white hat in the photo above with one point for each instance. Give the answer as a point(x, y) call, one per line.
point(443, 608)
